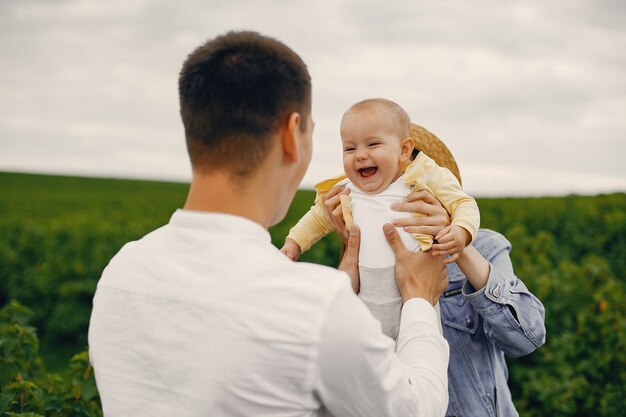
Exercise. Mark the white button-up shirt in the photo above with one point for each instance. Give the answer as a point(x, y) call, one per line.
point(205, 317)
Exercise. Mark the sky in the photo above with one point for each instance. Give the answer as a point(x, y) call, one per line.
point(530, 96)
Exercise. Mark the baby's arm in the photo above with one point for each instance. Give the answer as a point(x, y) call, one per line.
point(465, 217)
point(313, 226)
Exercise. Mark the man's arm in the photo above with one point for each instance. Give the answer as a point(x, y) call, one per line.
point(360, 374)
point(360, 371)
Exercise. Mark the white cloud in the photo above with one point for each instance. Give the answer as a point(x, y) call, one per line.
point(529, 96)
point(531, 182)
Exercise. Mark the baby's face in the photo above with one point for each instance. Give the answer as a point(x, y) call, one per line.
point(373, 151)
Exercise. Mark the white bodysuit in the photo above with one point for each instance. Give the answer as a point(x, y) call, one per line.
point(378, 289)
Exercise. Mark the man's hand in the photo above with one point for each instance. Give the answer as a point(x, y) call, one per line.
point(452, 240)
point(350, 261)
point(333, 208)
point(434, 219)
point(291, 249)
point(418, 274)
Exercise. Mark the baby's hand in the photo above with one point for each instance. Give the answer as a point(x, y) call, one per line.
point(451, 241)
point(291, 249)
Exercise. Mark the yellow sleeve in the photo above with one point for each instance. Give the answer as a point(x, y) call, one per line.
point(424, 173)
point(313, 226)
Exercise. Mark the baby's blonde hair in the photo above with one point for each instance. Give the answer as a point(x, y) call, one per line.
point(403, 121)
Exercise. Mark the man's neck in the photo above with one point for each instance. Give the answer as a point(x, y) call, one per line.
point(220, 192)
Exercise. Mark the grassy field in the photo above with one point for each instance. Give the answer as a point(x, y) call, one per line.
point(57, 234)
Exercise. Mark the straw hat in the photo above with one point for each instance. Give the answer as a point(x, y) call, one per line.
point(432, 146)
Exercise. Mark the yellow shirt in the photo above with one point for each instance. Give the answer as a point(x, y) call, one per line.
point(422, 174)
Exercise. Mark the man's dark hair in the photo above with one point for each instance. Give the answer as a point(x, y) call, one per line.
point(235, 91)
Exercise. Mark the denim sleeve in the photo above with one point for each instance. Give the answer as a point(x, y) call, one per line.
point(513, 316)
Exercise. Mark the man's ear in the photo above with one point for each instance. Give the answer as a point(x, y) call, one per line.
point(406, 148)
point(289, 139)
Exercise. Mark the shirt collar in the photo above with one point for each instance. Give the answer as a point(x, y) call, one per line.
point(215, 222)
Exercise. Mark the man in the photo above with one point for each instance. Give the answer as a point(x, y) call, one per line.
point(204, 316)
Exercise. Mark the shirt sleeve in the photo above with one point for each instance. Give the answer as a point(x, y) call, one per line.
point(362, 373)
point(514, 317)
point(313, 226)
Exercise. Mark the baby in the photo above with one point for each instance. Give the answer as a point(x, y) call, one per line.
point(377, 152)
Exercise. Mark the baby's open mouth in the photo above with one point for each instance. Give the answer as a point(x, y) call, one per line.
point(368, 172)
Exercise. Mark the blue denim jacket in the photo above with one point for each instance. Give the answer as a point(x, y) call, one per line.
point(480, 328)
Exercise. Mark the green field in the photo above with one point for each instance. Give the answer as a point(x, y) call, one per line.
point(58, 233)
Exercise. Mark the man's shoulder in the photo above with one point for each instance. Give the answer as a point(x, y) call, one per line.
point(143, 243)
point(152, 256)
point(135, 253)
